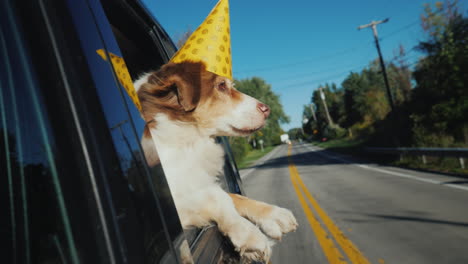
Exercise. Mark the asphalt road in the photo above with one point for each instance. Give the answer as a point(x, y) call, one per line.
point(351, 212)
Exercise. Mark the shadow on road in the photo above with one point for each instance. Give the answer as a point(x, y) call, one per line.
point(417, 219)
point(455, 182)
point(325, 157)
point(318, 158)
point(408, 216)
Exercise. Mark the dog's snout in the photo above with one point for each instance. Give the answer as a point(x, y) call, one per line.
point(264, 109)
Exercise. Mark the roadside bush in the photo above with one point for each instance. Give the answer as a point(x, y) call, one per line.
point(334, 132)
point(424, 138)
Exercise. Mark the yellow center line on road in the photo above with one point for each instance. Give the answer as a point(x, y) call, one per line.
point(332, 253)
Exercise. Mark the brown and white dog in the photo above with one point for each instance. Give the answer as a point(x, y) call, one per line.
point(186, 107)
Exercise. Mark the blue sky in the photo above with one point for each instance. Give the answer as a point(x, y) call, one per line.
point(297, 45)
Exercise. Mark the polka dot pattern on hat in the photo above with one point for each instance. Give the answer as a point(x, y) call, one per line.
point(210, 42)
point(122, 74)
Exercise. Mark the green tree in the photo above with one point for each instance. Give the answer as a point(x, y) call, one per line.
point(365, 99)
point(400, 76)
point(295, 133)
point(335, 103)
point(311, 124)
point(307, 112)
point(361, 101)
point(440, 98)
point(259, 89)
point(436, 20)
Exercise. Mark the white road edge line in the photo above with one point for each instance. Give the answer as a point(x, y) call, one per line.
point(465, 188)
point(262, 161)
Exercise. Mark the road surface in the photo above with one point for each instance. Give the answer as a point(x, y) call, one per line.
point(353, 213)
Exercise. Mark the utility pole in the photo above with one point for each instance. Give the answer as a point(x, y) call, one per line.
point(322, 95)
point(374, 24)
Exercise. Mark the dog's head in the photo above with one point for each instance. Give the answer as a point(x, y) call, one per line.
point(186, 92)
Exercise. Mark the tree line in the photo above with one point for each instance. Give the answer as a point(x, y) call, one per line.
point(431, 98)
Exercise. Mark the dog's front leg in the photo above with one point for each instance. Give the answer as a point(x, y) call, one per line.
point(273, 220)
point(214, 205)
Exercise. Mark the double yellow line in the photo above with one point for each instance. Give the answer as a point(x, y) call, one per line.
point(331, 250)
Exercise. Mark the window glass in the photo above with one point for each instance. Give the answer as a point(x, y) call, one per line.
point(37, 224)
point(151, 197)
point(146, 47)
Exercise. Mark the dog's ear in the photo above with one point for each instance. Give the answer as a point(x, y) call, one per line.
point(184, 79)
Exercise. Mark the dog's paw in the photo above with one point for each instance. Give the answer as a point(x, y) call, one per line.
point(250, 242)
point(280, 221)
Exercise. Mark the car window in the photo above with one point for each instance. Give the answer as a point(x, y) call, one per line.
point(155, 209)
point(133, 214)
point(37, 222)
point(233, 180)
point(145, 47)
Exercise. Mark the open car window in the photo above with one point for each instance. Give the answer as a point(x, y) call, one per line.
point(145, 47)
point(154, 206)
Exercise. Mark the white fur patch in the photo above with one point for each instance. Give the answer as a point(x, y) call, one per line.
point(192, 161)
point(244, 116)
point(141, 80)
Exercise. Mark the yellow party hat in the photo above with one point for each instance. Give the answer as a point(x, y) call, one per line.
point(210, 42)
point(122, 74)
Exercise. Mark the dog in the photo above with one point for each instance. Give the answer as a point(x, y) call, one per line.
point(185, 107)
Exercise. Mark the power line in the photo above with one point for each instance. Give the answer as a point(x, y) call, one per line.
point(307, 74)
point(310, 82)
point(340, 53)
point(415, 22)
point(400, 29)
point(324, 79)
point(404, 56)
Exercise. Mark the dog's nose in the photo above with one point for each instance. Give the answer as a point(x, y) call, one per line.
point(264, 109)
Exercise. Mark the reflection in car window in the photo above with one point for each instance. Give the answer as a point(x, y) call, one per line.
point(151, 197)
point(38, 225)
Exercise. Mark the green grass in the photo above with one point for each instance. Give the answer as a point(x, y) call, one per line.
point(253, 156)
point(436, 164)
point(339, 143)
point(345, 146)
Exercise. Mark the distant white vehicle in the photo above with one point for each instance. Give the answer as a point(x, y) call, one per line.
point(285, 139)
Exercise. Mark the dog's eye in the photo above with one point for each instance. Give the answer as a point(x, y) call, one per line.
point(222, 86)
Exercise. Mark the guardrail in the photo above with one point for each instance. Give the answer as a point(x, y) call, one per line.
point(460, 153)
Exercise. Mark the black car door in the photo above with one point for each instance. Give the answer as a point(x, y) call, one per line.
point(75, 185)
